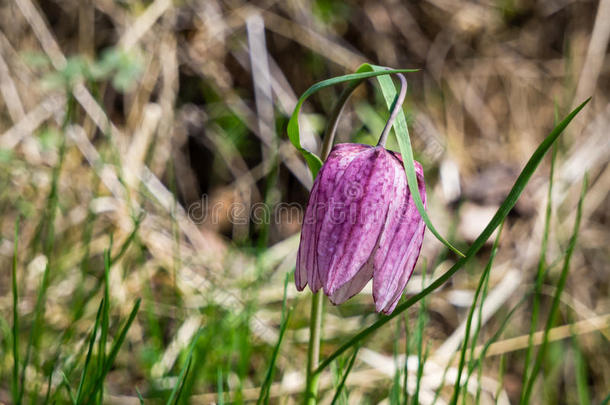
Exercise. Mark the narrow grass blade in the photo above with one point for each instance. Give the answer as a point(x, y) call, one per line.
point(395, 391)
point(405, 391)
point(114, 350)
point(183, 382)
point(38, 314)
point(501, 373)
point(541, 272)
point(314, 161)
point(525, 399)
point(81, 385)
point(484, 276)
point(88, 231)
point(15, 380)
point(220, 385)
point(175, 395)
point(421, 357)
point(582, 384)
point(140, 398)
point(129, 239)
point(344, 377)
point(497, 219)
point(48, 245)
point(105, 318)
point(66, 384)
point(263, 397)
point(437, 392)
point(481, 356)
point(475, 338)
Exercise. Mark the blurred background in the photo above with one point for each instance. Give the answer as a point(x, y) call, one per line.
point(155, 130)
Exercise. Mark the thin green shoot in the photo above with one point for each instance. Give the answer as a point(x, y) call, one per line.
point(419, 338)
point(183, 382)
point(396, 391)
point(582, 385)
point(132, 235)
point(541, 272)
point(475, 338)
point(441, 385)
point(405, 381)
point(348, 369)
point(66, 384)
point(114, 350)
point(263, 397)
point(220, 387)
point(105, 317)
point(140, 398)
point(15, 290)
point(175, 394)
point(525, 399)
point(501, 372)
point(484, 276)
point(91, 346)
point(48, 245)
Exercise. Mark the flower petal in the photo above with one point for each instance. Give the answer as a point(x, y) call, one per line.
point(307, 247)
point(332, 171)
point(354, 219)
point(354, 285)
point(399, 246)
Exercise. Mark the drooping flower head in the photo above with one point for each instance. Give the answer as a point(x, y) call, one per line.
point(361, 223)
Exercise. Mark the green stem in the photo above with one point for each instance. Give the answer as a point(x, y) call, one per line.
point(15, 381)
point(313, 353)
point(333, 121)
point(400, 98)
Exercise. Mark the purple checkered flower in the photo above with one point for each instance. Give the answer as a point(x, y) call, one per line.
point(361, 223)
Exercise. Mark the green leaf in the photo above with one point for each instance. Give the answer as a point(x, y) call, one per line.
point(312, 160)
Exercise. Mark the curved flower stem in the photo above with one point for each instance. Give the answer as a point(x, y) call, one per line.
point(333, 122)
point(395, 109)
point(313, 353)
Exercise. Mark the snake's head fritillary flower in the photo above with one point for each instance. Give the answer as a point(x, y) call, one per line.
point(361, 223)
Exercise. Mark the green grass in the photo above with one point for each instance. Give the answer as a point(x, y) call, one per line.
point(553, 312)
point(482, 283)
